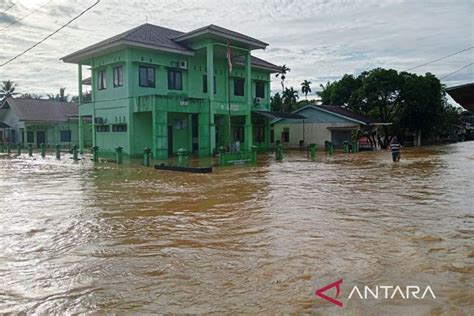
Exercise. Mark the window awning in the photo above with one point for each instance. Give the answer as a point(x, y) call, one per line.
point(3, 125)
point(279, 115)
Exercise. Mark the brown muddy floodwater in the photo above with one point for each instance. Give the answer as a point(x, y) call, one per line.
point(76, 238)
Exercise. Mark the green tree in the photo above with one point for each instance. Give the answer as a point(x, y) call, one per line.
point(8, 89)
point(31, 96)
point(408, 101)
point(60, 97)
point(282, 75)
point(276, 102)
point(306, 88)
point(290, 96)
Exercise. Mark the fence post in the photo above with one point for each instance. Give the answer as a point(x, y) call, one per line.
point(95, 154)
point(119, 155)
point(30, 150)
point(43, 152)
point(58, 151)
point(146, 156)
point(182, 157)
point(18, 149)
point(279, 152)
point(312, 151)
point(254, 154)
point(221, 160)
point(74, 152)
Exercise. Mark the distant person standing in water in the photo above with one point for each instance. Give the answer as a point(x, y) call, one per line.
point(395, 148)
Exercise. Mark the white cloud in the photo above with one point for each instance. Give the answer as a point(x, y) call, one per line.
point(318, 40)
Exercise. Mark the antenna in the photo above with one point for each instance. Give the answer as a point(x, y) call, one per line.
point(147, 19)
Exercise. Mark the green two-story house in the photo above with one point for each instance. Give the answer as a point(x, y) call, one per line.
point(164, 89)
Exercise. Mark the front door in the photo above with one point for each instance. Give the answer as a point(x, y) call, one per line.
point(170, 141)
point(40, 138)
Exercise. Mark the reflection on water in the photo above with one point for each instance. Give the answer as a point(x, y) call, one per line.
point(75, 237)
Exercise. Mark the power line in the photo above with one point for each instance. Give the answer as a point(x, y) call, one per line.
point(13, 4)
point(458, 70)
point(444, 57)
point(27, 15)
point(50, 35)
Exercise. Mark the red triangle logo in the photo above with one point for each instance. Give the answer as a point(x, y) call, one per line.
point(321, 291)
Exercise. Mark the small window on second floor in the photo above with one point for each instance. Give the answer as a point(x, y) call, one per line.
point(175, 80)
point(101, 80)
point(204, 84)
point(147, 77)
point(239, 87)
point(260, 89)
point(118, 76)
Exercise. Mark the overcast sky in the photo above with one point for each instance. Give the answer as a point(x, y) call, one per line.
point(320, 40)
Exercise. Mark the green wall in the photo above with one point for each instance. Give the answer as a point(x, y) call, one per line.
point(148, 112)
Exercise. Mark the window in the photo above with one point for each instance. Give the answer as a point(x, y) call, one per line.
point(239, 87)
point(204, 84)
point(102, 128)
point(260, 89)
point(101, 80)
point(65, 136)
point(119, 128)
point(30, 137)
point(175, 80)
point(285, 135)
point(147, 77)
point(118, 76)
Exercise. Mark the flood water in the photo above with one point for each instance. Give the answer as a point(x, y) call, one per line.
point(79, 237)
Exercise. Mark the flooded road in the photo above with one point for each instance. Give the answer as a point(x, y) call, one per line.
point(75, 237)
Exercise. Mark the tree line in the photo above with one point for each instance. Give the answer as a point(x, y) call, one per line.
point(409, 101)
point(8, 90)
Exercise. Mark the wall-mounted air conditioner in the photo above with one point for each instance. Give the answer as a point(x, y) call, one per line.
point(183, 64)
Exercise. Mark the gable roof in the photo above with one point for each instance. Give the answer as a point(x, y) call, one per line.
point(258, 63)
point(165, 39)
point(343, 113)
point(348, 114)
point(41, 110)
point(220, 32)
point(146, 35)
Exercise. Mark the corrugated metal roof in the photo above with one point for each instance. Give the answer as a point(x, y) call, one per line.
point(42, 110)
point(348, 113)
point(464, 95)
point(334, 114)
point(280, 115)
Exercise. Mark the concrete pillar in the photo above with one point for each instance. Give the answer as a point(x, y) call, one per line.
point(81, 134)
point(79, 75)
point(210, 93)
point(160, 134)
point(203, 122)
point(248, 92)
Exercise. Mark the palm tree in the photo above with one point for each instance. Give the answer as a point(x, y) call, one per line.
point(306, 88)
point(282, 75)
point(290, 97)
point(8, 89)
point(61, 97)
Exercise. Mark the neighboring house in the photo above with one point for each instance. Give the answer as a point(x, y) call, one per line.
point(464, 95)
point(29, 121)
point(164, 89)
point(323, 123)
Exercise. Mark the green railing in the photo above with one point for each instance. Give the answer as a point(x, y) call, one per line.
point(237, 158)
